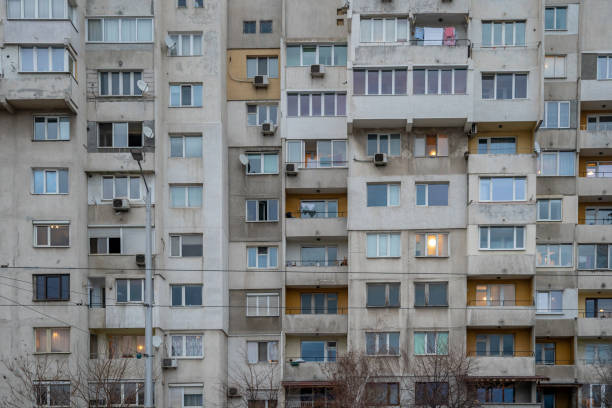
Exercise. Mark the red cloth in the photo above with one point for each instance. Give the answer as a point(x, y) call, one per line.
point(449, 35)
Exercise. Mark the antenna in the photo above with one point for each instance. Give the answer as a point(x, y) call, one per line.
point(142, 85)
point(157, 341)
point(147, 131)
point(244, 159)
point(170, 43)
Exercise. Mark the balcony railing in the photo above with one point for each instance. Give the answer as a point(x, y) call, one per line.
point(597, 314)
point(499, 302)
point(293, 311)
point(596, 174)
point(445, 42)
point(320, 164)
point(595, 220)
point(308, 404)
point(500, 353)
point(317, 263)
point(315, 214)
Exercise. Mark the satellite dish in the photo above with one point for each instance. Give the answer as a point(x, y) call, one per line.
point(536, 147)
point(142, 85)
point(157, 341)
point(244, 159)
point(170, 43)
point(147, 131)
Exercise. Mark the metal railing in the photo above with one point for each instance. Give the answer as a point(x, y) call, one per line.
point(317, 263)
point(308, 214)
point(501, 353)
point(291, 311)
point(445, 42)
point(499, 302)
point(595, 220)
point(596, 314)
point(320, 164)
point(596, 174)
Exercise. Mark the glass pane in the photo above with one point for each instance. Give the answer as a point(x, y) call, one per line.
point(377, 195)
point(197, 44)
point(42, 63)
point(447, 81)
point(339, 148)
point(377, 30)
point(176, 147)
point(304, 105)
point(437, 294)
point(509, 34)
point(432, 81)
point(293, 55)
point(177, 197)
point(504, 86)
point(418, 79)
point(193, 146)
point(316, 104)
point(57, 59)
point(488, 86)
point(359, 77)
point(372, 245)
point(566, 163)
point(437, 194)
point(394, 294)
point(376, 294)
point(373, 82)
point(419, 343)
point(387, 82)
point(273, 67)
point(177, 295)
point(340, 55)
point(186, 95)
point(270, 163)
point(486, 33)
point(145, 30)
point(485, 189)
point(390, 30)
point(394, 245)
point(549, 19)
point(561, 20)
point(128, 30)
point(421, 194)
point(251, 67)
point(520, 85)
point(365, 29)
point(325, 54)
point(194, 196)
point(502, 188)
point(497, 33)
point(51, 182)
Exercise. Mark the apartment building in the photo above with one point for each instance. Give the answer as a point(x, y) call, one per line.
point(393, 178)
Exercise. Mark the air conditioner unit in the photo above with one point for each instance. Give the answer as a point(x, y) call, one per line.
point(169, 363)
point(291, 169)
point(267, 128)
point(380, 159)
point(260, 81)
point(233, 392)
point(121, 204)
point(317, 70)
point(140, 260)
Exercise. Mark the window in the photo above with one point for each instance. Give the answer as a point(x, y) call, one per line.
point(598, 216)
point(324, 54)
point(319, 256)
point(129, 290)
point(125, 346)
point(502, 238)
point(262, 257)
point(430, 343)
point(604, 67)
point(504, 86)
point(262, 66)
point(186, 295)
point(186, 146)
point(380, 81)
point(187, 346)
point(599, 169)
point(186, 245)
point(549, 210)
point(383, 245)
point(120, 187)
point(262, 304)
point(598, 307)
point(382, 343)
point(319, 209)
point(185, 196)
point(127, 240)
point(431, 146)
point(120, 30)
point(47, 59)
point(186, 96)
point(437, 245)
point(265, 26)
point(259, 114)
point(554, 66)
point(597, 353)
point(318, 351)
point(119, 83)
point(120, 134)
point(51, 234)
point(432, 194)
point(431, 393)
point(50, 181)
point(316, 104)
point(439, 81)
point(595, 395)
point(198, 4)
point(554, 255)
point(185, 44)
point(556, 163)
point(557, 115)
point(383, 195)
point(384, 29)
point(503, 33)
point(549, 301)
point(187, 395)
point(267, 403)
point(51, 128)
point(51, 287)
point(122, 394)
point(599, 122)
point(431, 294)
point(383, 295)
point(181, 3)
point(262, 163)
point(382, 394)
point(545, 353)
point(555, 18)
point(262, 352)
point(389, 144)
point(249, 27)
point(105, 241)
point(51, 394)
point(495, 295)
point(318, 303)
point(497, 145)
point(502, 189)
point(52, 340)
point(496, 393)
point(495, 345)
point(41, 9)
point(317, 153)
point(261, 210)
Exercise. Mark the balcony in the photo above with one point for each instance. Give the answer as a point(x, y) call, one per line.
point(504, 366)
point(380, 111)
point(594, 327)
point(490, 263)
point(119, 316)
point(324, 127)
point(502, 164)
point(304, 371)
point(315, 227)
point(305, 275)
point(556, 373)
point(511, 213)
point(591, 142)
point(27, 31)
point(327, 179)
point(595, 91)
point(589, 234)
point(314, 324)
point(500, 316)
point(595, 187)
point(39, 91)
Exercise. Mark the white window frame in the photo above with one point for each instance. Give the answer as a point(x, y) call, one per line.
point(180, 236)
point(270, 345)
point(427, 194)
point(598, 349)
point(602, 393)
point(258, 108)
point(113, 135)
point(488, 300)
point(67, 57)
point(183, 155)
point(48, 385)
point(57, 178)
point(192, 104)
point(49, 225)
point(184, 355)
point(322, 94)
point(548, 309)
point(390, 136)
point(598, 121)
point(557, 173)
point(387, 341)
point(608, 74)
point(48, 330)
point(424, 140)
point(262, 158)
point(302, 163)
point(335, 214)
point(439, 87)
point(268, 257)
point(488, 247)
point(182, 286)
point(596, 265)
point(426, 295)
point(548, 105)
point(491, 181)
point(133, 91)
point(425, 236)
point(178, 51)
point(555, 60)
point(428, 334)
point(388, 187)
point(270, 311)
point(187, 188)
point(559, 248)
point(68, 11)
point(395, 39)
point(129, 297)
point(129, 187)
point(267, 58)
point(388, 254)
point(138, 19)
point(549, 201)
point(556, 23)
point(182, 387)
point(503, 39)
point(388, 286)
point(268, 215)
point(317, 61)
point(514, 74)
point(60, 120)
point(597, 220)
point(379, 73)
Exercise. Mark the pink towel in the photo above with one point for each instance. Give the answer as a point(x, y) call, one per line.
point(449, 35)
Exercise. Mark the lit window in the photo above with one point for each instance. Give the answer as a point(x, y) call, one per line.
point(52, 340)
point(553, 255)
point(431, 244)
point(431, 146)
point(51, 234)
point(495, 295)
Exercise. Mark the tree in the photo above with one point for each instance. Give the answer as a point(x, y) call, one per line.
point(603, 376)
point(256, 382)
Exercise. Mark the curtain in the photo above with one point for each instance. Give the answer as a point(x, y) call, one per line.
point(193, 346)
point(60, 340)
